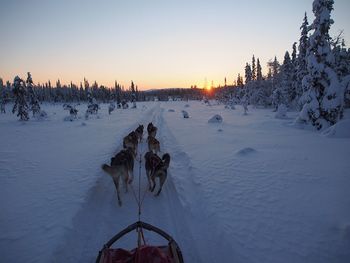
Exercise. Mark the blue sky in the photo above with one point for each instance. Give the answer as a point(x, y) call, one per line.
point(155, 43)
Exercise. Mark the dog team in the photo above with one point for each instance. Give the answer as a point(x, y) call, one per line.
point(122, 164)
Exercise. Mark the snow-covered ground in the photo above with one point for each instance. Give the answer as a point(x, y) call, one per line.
point(252, 188)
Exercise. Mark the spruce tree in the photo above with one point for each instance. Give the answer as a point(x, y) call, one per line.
point(3, 97)
point(133, 95)
point(33, 100)
point(253, 69)
point(19, 92)
point(259, 76)
point(295, 92)
point(248, 74)
point(324, 106)
point(302, 65)
point(286, 85)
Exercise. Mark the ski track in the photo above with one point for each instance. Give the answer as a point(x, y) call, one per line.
point(207, 231)
point(100, 217)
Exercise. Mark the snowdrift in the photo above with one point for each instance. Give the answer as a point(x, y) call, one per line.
point(338, 130)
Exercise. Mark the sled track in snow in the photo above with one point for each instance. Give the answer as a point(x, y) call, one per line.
point(210, 238)
point(100, 217)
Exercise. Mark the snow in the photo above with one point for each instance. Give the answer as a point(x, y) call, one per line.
point(258, 191)
point(339, 130)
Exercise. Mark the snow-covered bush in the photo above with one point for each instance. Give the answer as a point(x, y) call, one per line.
point(244, 103)
point(111, 107)
point(281, 112)
point(215, 119)
point(125, 104)
point(93, 107)
point(72, 112)
point(185, 114)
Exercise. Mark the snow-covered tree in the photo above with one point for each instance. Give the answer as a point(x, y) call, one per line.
point(287, 71)
point(248, 73)
point(259, 76)
point(19, 92)
point(33, 100)
point(342, 59)
point(324, 106)
point(92, 105)
point(283, 92)
point(133, 95)
point(302, 64)
point(72, 111)
point(296, 88)
point(275, 66)
point(253, 69)
point(239, 80)
point(3, 97)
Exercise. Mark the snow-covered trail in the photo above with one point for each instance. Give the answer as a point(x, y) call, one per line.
point(100, 217)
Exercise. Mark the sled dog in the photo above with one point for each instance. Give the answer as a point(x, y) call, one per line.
point(151, 162)
point(151, 129)
point(131, 141)
point(161, 171)
point(153, 144)
point(122, 166)
point(139, 132)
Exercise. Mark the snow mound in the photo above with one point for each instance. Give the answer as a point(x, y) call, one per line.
point(40, 116)
point(230, 107)
point(281, 112)
point(187, 106)
point(220, 130)
point(69, 118)
point(185, 114)
point(215, 119)
point(338, 130)
point(246, 151)
point(171, 110)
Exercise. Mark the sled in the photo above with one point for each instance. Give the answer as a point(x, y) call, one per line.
point(143, 253)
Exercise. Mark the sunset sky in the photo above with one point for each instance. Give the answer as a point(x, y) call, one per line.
point(155, 43)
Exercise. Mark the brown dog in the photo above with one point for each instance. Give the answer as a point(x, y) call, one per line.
point(151, 162)
point(161, 171)
point(131, 141)
point(153, 144)
point(152, 130)
point(139, 132)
